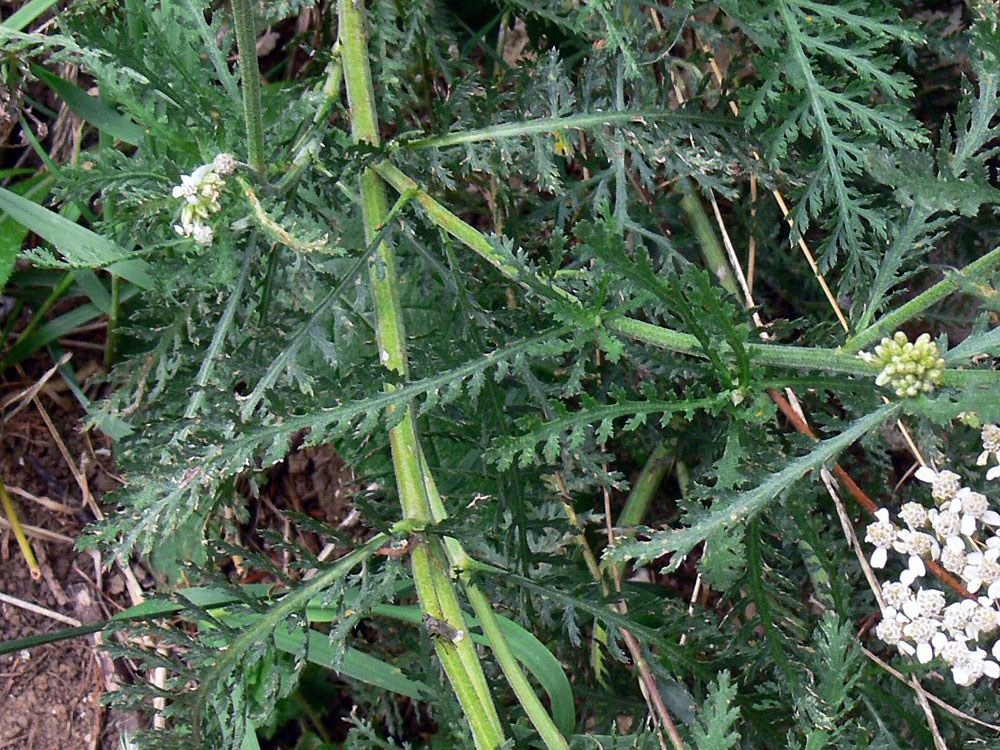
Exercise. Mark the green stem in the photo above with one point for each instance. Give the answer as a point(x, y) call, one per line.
point(111, 346)
point(555, 124)
point(711, 249)
point(775, 355)
point(642, 491)
point(306, 146)
point(453, 225)
point(433, 584)
point(890, 322)
point(515, 676)
point(246, 45)
point(797, 357)
point(539, 717)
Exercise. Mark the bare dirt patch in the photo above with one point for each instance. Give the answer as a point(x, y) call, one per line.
point(50, 695)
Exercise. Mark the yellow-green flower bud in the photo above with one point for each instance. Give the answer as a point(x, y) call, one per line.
point(909, 369)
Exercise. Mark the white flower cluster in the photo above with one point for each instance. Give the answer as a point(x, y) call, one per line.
point(961, 532)
point(201, 191)
point(908, 368)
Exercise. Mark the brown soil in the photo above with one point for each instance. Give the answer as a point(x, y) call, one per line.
point(50, 696)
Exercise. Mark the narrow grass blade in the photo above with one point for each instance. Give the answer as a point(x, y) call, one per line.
point(80, 247)
point(27, 13)
point(91, 109)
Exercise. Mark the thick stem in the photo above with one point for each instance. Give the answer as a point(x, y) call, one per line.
point(708, 243)
point(539, 717)
point(458, 559)
point(642, 491)
point(246, 46)
point(433, 584)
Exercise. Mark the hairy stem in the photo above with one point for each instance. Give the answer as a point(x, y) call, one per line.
point(556, 124)
point(774, 355)
point(433, 584)
point(246, 45)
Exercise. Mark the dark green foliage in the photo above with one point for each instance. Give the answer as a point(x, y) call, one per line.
point(533, 402)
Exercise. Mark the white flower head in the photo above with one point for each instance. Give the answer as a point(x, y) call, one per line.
point(946, 524)
point(983, 569)
point(201, 191)
point(991, 444)
point(896, 594)
point(883, 535)
point(983, 620)
point(922, 631)
point(953, 555)
point(929, 603)
point(890, 630)
point(224, 164)
point(952, 651)
point(974, 507)
point(914, 515)
point(944, 484)
point(956, 616)
point(972, 665)
point(187, 189)
point(919, 547)
point(203, 234)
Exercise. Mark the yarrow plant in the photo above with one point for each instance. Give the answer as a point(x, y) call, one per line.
point(961, 530)
point(512, 264)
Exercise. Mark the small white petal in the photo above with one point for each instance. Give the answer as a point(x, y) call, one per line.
point(996, 650)
point(993, 473)
point(968, 525)
point(994, 590)
point(991, 669)
point(882, 514)
point(991, 518)
point(916, 566)
point(907, 577)
point(879, 557)
point(960, 675)
point(926, 474)
point(911, 608)
point(905, 648)
point(924, 653)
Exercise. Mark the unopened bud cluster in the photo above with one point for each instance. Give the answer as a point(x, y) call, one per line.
point(960, 531)
point(201, 191)
point(909, 368)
